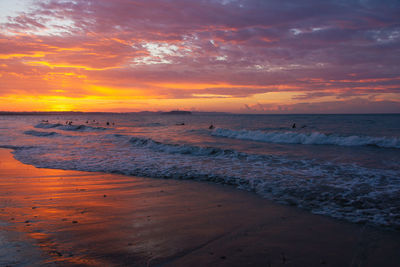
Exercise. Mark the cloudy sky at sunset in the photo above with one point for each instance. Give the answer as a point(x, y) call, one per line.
point(244, 56)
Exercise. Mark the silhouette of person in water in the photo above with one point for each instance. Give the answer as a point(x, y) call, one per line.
point(108, 123)
point(294, 125)
point(211, 127)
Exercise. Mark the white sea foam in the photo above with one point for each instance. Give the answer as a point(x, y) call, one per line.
point(79, 128)
point(345, 191)
point(182, 149)
point(363, 189)
point(308, 138)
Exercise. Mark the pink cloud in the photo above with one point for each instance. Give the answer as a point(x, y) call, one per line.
point(316, 48)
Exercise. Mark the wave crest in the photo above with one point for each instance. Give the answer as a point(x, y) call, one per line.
point(182, 149)
point(78, 128)
point(310, 138)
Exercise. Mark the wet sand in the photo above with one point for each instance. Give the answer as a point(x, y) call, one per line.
point(70, 218)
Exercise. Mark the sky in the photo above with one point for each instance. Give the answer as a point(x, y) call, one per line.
point(241, 56)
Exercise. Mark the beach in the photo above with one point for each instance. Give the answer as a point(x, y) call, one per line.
point(338, 165)
point(71, 218)
point(199, 133)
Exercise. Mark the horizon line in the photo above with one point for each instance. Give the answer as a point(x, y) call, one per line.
point(158, 112)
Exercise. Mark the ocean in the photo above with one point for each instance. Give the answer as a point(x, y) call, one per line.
point(343, 166)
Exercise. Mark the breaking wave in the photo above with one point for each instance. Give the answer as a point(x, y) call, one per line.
point(308, 138)
point(78, 128)
point(345, 191)
point(182, 149)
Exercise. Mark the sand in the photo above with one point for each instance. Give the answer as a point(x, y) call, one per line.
point(70, 218)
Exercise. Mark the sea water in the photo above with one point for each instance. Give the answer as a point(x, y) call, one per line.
point(343, 166)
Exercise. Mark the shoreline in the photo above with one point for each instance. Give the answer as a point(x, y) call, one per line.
point(68, 218)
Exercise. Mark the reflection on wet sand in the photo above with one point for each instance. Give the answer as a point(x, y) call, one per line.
point(71, 218)
point(99, 219)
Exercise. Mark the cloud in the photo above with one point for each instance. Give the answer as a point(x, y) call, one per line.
point(238, 49)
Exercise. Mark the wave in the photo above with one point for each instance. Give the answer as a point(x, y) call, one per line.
point(344, 191)
point(79, 128)
point(183, 149)
point(308, 138)
point(44, 125)
point(40, 134)
point(367, 193)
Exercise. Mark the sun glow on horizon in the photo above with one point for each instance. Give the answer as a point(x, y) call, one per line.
point(61, 107)
point(100, 55)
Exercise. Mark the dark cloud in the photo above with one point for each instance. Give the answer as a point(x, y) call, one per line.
point(332, 48)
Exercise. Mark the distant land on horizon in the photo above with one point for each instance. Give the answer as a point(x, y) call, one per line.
point(173, 112)
point(177, 112)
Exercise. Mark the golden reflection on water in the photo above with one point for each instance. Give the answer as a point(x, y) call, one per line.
point(68, 214)
point(94, 219)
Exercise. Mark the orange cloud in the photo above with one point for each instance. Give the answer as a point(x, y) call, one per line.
point(216, 55)
point(52, 66)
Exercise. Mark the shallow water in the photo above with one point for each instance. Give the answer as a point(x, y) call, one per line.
point(344, 166)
